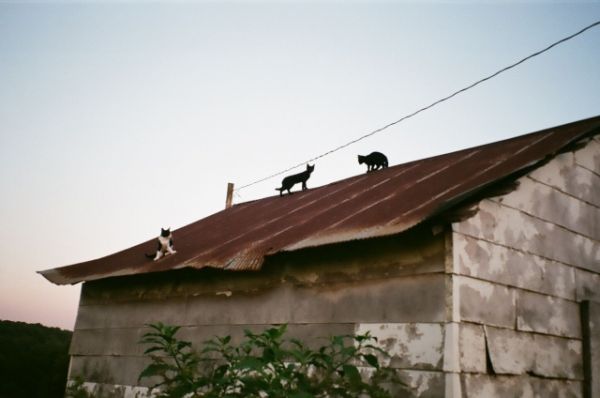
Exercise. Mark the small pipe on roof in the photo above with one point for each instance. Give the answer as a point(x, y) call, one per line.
point(229, 199)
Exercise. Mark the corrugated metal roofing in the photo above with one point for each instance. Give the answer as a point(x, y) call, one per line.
point(369, 205)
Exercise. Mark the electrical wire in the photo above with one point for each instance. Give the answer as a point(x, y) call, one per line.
point(462, 90)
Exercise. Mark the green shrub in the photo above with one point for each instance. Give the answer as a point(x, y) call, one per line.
point(266, 365)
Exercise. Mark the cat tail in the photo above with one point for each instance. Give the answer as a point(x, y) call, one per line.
point(279, 189)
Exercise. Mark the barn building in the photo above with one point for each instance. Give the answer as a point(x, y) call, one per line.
point(478, 270)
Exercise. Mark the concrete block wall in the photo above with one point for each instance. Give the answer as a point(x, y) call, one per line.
point(392, 287)
point(520, 269)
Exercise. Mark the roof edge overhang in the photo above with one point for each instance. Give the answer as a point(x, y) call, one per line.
point(252, 261)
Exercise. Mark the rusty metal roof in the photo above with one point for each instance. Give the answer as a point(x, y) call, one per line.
point(369, 205)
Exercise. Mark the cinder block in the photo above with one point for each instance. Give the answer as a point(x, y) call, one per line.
point(411, 299)
point(519, 353)
point(111, 369)
point(486, 303)
point(591, 311)
point(513, 228)
point(420, 384)
point(552, 205)
point(496, 263)
point(589, 156)
point(409, 346)
point(547, 315)
point(563, 173)
point(117, 391)
point(472, 348)
point(131, 314)
point(487, 386)
point(108, 341)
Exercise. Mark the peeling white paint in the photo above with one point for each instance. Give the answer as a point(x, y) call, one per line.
point(518, 353)
point(98, 389)
point(564, 174)
point(589, 156)
point(472, 348)
point(513, 228)
point(509, 266)
point(419, 382)
point(485, 290)
point(493, 386)
point(417, 345)
point(548, 315)
point(486, 303)
point(551, 204)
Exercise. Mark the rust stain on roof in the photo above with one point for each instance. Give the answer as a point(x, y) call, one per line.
point(381, 203)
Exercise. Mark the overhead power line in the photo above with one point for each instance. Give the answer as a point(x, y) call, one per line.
point(462, 90)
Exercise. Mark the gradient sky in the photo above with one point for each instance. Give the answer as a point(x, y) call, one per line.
point(119, 118)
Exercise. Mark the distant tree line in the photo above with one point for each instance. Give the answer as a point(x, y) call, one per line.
point(34, 360)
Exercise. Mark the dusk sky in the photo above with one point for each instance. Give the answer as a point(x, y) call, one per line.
point(119, 118)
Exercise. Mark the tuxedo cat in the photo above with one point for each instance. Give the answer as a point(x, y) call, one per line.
point(288, 182)
point(374, 161)
point(165, 244)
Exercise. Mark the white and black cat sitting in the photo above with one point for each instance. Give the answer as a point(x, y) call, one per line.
point(165, 245)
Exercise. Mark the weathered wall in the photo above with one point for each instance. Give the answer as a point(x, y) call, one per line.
point(591, 345)
point(393, 287)
point(521, 267)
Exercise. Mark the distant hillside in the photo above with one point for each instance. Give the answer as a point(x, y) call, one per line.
point(34, 360)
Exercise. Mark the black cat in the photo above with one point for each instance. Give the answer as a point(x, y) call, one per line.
point(374, 161)
point(289, 181)
point(165, 245)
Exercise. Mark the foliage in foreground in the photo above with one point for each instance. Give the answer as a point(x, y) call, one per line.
point(34, 360)
point(265, 365)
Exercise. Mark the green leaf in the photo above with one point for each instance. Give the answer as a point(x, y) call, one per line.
point(371, 360)
point(301, 394)
point(250, 363)
point(268, 355)
point(154, 369)
point(351, 373)
point(183, 344)
point(152, 349)
point(264, 362)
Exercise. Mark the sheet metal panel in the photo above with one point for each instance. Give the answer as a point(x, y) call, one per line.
point(380, 203)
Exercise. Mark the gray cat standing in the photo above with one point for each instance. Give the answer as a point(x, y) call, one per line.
point(288, 182)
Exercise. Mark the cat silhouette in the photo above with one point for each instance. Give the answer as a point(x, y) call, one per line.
point(288, 182)
point(374, 161)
